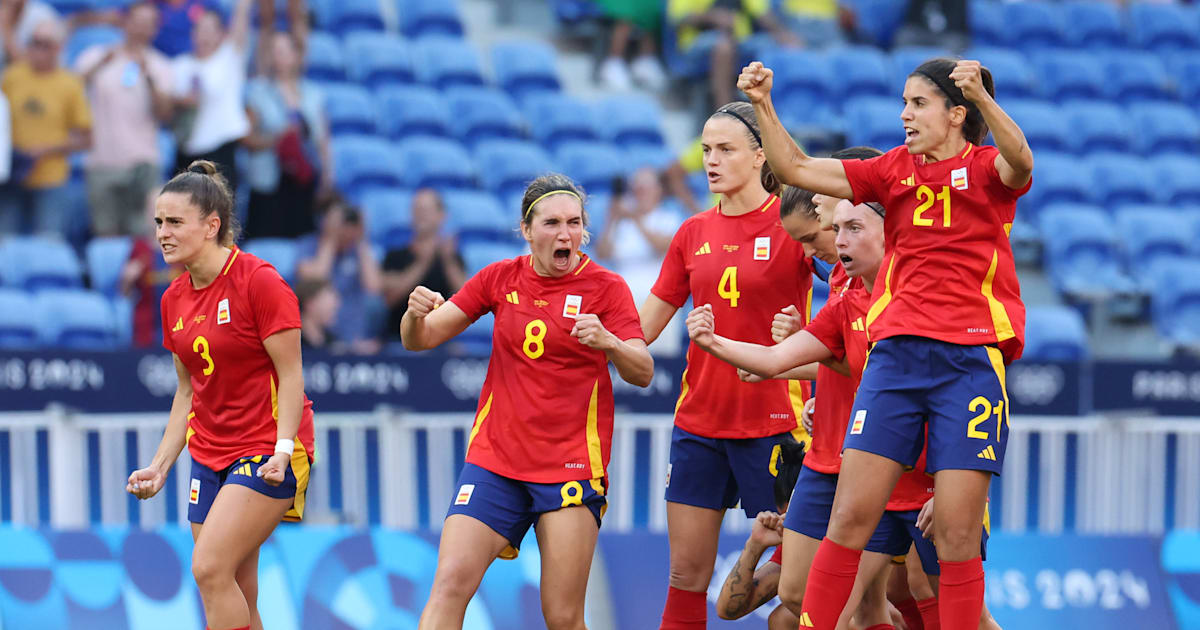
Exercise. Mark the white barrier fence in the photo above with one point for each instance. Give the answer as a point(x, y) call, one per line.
point(1088, 474)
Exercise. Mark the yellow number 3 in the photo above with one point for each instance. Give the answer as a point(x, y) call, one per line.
point(535, 336)
point(200, 345)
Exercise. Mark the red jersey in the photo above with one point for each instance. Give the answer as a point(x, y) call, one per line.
point(839, 282)
point(948, 273)
point(748, 269)
point(840, 327)
point(217, 332)
point(545, 413)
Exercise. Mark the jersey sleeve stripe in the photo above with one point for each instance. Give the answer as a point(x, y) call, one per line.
point(595, 454)
point(1001, 324)
point(232, 257)
point(274, 399)
point(487, 407)
point(884, 299)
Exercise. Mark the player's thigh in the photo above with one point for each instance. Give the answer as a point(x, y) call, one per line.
point(693, 533)
point(238, 523)
point(699, 473)
point(466, 549)
point(567, 542)
point(968, 410)
point(958, 512)
point(798, 553)
point(864, 486)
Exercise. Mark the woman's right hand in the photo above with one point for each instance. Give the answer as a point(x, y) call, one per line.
point(422, 301)
point(806, 418)
point(755, 81)
point(145, 483)
point(700, 325)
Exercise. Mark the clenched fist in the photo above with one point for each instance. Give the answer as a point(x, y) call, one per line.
point(592, 333)
point(701, 324)
point(422, 301)
point(755, 80)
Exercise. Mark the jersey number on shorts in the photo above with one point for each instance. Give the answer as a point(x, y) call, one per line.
point(200, 346)
point(572, 493)
point(535, 339)
point(926, 197)
point(727, 287)
point(985, 408)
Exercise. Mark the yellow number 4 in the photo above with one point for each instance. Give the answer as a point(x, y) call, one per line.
point(727, 288)
point(200, 345)
point(985, 409)
point(926, 197)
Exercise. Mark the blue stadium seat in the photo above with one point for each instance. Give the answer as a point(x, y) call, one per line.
point(1165, 127)
point(1177, 175)
point(34, 263)
point(878, 19)
point(1175, 302)
point(657, 158)
point(280, 252)
point(323, 59)
point(348, 16)
point(1164, 27)
point(1034, 25)
point(875, 122)
point(444, 63)
point(1055, 333)
point(411, 110)
point(1058, 178)
point(1136, 76)
point(1026, 241)
point(377, 59)
point(105, 257)
point(85, 37)
point(426, 18)
point(524, 68)
point(559, 118)
point(1081, 251)
point(1070, 75)
point(477, 216)
point(1151, 232)
point(435, 163)
point(907, 58)
point(75, 319)
point(1121, 179)
point(632, 121)
point(1098, 126)
point(1042, 124)
point(482, 113)
point(802, 79)
point(349, 108)
point(17, 328)
point(366, 161)
point(987, 23)
point(592, 165)
point(1010, 70)
point(388, 213)
point(507, 166)
point(861, 71)
point(1093, 25)
point(1185, 72)
point(479, 255)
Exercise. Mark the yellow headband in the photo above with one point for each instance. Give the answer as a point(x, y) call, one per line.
point(552, 192)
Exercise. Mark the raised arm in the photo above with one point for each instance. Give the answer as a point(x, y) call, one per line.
point(764, 361)
point(788, 161)
point(1015, 162)
point(239, 24)
point(430, 320)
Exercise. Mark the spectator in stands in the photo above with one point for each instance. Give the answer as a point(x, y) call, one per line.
point(431, 260)
point(341, 255)
point(714, 28)
point(145, 277)
point(129, 85)
point(817, 22)
point(209, 85)
point(17, 21)
point(319, 304)
point(940, 23)
point(50, 121)
point(290, 163)
point(179, 18)
point(633, 17)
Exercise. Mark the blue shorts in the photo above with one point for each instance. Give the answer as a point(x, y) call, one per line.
point(716, 473)
point(511, 507)
point(958, 390)
point(206, 482)
point(905, 531)
point(812, 506)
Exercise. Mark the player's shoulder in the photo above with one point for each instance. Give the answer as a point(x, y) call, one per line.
point(177, 288)
point(599, 274)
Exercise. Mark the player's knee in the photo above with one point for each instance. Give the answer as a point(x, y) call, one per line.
point(563, 616)
point(957, 542)
point(452, 582)
point(210, 572)
point(791, 593)
point(688, 575)
point(850, 521)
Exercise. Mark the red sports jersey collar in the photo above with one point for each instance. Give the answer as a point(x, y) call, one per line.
point(584, 261)
point(762, 208)
point(961, 156)
point(233, 254)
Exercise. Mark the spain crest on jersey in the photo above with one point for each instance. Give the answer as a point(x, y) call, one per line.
point(762, 248)
point(958, 178)
point(223, 312)
point(572, 305)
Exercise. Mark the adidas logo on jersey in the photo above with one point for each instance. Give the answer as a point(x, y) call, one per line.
point(704, 249)
point(512, 298)
point(988, 453)
point(911, 180)
point(858, 325)
point(805, 621)
point(178, 325)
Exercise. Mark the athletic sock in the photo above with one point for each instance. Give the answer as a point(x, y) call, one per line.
point(961, 594)
point(929, 613)
point(685, 610)
point(912, 614)
point(830, 581)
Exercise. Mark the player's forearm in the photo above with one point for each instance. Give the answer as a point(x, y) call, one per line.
point(412, 332)
point(291, 402)
point(655, 314)
point(739, 590)
point(791, 164)
point(1010, 140)
point(633, 362)
point(175, 435)
point(759, 360)
point(806, 372)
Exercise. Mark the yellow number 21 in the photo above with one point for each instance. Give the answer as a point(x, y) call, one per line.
point(985, 409)
point(926, 197)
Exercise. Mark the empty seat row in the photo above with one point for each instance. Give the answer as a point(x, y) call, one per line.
point(1159, 26)
point(69, 318)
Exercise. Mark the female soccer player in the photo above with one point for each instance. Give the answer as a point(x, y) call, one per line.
point(540, 445)
point(233, 327)
point(737, 257)
point(945, 319)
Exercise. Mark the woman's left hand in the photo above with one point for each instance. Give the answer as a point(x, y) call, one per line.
point(968, 76)
point(591, 332)
point(272, 471)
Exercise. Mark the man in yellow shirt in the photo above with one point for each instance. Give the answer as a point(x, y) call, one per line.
point(50, 121)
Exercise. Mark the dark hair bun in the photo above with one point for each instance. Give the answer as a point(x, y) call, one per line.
point(203, 167)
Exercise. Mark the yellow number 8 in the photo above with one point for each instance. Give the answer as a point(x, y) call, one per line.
point(535, 335)
point(200, 345)
point(572, 494)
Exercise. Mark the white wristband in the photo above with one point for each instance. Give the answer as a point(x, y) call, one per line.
point(285, 446)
